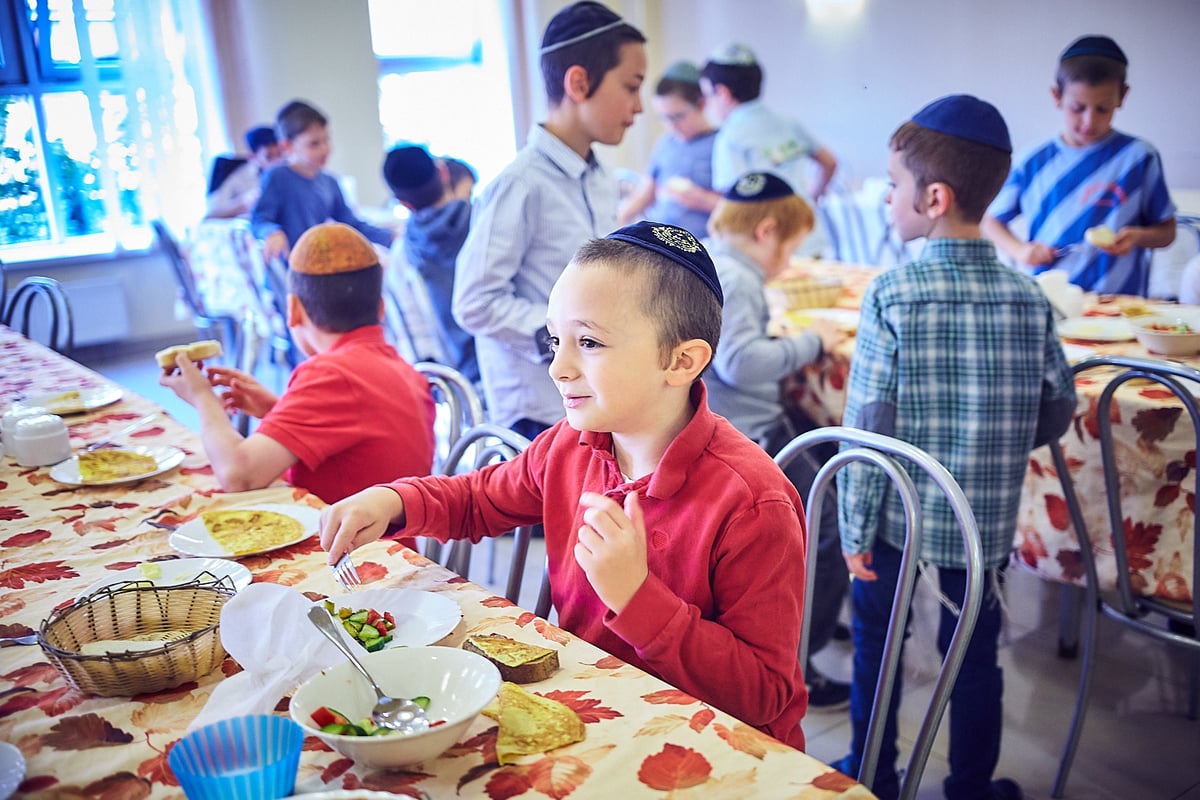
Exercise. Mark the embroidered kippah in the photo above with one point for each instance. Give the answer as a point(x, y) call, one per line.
point(684, 71)
point(676, 244)
point(734, 55)
point(408, 167)
point(577, 22)
point(331, 248)
point(967, 118)
point(1094, 46)
point(755, 186)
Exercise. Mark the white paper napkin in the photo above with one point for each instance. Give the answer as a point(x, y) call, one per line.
point(265, 628)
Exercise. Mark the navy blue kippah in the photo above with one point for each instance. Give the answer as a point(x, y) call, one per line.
point(967, 118)
point(755, 186)
point(577, 22)
point(1094, 46)
point(408, 167)
point(676, 244)
point(259, 137)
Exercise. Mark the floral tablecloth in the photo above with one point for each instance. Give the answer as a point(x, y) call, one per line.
point(644, 738)
point(1155, 455)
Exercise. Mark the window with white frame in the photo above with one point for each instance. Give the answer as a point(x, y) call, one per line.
point(443, 79)
point(74, 152)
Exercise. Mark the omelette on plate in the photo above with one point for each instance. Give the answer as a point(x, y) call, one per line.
point(530, 723)
point(110, 465)
point(248, 530)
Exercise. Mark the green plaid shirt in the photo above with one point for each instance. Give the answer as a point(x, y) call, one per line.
point(956, 354)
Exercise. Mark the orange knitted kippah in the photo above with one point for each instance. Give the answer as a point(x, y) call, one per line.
point(330, 248)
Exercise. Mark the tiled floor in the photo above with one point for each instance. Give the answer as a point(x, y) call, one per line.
point(1137, 742)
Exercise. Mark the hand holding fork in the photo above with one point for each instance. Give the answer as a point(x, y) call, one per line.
point(345, 573)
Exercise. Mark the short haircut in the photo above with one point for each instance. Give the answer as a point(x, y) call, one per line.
point(340, 301)
point(297, 117)
point(792, 215)
point(675, 298)
point(687, 91)
point(1092, 70)
point(744, 81)
point(596, 54)
point(459, 170)
point(974, 171)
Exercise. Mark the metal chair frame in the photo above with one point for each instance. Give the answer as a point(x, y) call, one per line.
point(61, 323)
point(490, 443)
point(457, 395)
point(410, 313)
point(225, 326)
point(882, 451)
point(1127, 608)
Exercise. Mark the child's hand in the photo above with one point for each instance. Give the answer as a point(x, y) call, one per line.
point(1126, 239)
point(1035, 254)
point(859, 565)
point(359, 519)
point(276, 244)
point(245, 393)
point(612, 548)
point(187, 381)
point(830, 333)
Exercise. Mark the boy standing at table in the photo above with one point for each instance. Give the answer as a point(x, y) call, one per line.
point(324, 433)
point(673, 541)
point(755, 229)
point(755, 138)
point(1088, 177)
point(956, 354)
point(554, 197)
point(300, 194)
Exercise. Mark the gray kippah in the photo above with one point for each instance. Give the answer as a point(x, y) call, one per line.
point(684, 71)
point(734, 55)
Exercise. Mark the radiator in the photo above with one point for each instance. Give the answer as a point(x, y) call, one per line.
point(98, 306)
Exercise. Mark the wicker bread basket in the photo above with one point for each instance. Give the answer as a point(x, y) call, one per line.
point(789, 294)
point(191, 612)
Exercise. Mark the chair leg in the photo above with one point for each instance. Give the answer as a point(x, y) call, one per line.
point(1194, 688)
point(1068, 621)
point(1090, 622)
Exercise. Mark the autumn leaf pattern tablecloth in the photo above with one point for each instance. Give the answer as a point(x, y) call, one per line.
point(644, 738)
point(1156, 456)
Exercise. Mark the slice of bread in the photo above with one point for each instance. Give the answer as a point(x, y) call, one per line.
point(196, 351)
point(517, 661)
point(1100, 236)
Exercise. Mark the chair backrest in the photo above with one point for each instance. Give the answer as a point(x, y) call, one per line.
point(223, 327)
point(60, 323)
point(1128, 606)
point(487, 444)
point(222, 168)
point(459, 406)
point(882, 451)
point(412, 312)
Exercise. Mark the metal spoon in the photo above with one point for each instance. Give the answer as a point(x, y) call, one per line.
point(397, 714)
point(15, 640)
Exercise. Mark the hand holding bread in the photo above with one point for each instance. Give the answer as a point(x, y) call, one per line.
point(196, 351)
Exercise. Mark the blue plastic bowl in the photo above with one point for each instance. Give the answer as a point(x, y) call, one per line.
point(245, 758)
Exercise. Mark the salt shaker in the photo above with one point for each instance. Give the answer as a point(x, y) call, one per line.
point(41, 440)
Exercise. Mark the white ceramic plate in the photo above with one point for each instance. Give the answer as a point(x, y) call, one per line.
point(421, 617)
point(66, 402)
point(1096, 329)
point(167, 458)
point(12, 769)
point(177, 571)
point(193, 539)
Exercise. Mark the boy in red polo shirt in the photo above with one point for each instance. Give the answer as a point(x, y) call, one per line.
point(673, 541)
point(354, 413)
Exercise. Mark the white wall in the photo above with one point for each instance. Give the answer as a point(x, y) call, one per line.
point(852, 81)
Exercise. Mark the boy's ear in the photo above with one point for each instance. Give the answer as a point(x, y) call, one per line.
point(575, 84)
point(939, 200)
point(765, 228)
point(1057, 95)
point(296, 315)
point(688, 360)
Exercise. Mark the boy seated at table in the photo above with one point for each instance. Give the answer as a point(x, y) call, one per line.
point(957, 354)
point(1095, 198)
point(354, 413)
point(755, 228)
point(673, 541)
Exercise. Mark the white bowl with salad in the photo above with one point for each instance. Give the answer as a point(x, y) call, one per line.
point(454, 685)
point(1167, 335)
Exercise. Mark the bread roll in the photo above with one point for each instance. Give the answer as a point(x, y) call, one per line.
point(196, 351)
point(1100, 236)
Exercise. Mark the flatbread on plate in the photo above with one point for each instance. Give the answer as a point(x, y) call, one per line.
point(530, 723)
point(249, 530)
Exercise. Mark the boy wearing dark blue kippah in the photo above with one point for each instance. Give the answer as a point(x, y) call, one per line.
point(551, 199)
point(1094, 198)
point(958, 355)
point(673, 541)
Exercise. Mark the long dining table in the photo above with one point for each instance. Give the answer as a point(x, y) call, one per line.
point(644, 738)
point(1156, 445)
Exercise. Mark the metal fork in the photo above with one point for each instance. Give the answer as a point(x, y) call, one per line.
point(345, 573)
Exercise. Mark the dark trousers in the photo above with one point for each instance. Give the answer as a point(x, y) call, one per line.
point(832, 579)
point(975, 702)
point(529, 428)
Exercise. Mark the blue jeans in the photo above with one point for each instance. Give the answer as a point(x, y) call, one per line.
point(975, 703)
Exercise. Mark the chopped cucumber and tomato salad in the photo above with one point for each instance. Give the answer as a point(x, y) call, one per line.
point(330, 720)
point(367, 626)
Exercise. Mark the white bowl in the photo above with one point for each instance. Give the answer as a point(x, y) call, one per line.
point(458, 684)
point(1166, 342)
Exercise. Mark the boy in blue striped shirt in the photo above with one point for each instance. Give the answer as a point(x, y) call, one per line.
point(956, 354)
point(1094, 197)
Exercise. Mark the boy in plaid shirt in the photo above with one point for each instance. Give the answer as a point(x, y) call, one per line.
point(957, 354)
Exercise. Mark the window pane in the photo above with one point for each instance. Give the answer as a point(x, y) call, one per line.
point(64, 44)
point(23, 215)
point(75, 163)
point(446, 29)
